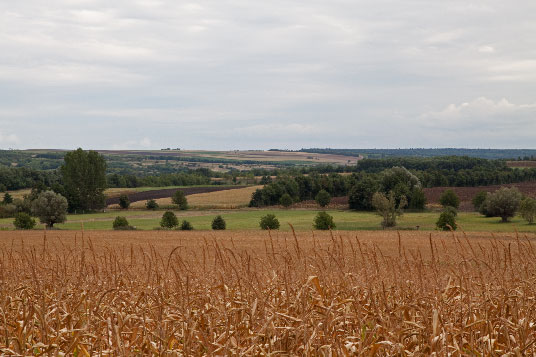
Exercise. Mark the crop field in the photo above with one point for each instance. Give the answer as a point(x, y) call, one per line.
point(221, 199)
point(267, 293)
point(144, 195)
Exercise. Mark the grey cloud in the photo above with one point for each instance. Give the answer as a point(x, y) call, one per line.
point(220, 74)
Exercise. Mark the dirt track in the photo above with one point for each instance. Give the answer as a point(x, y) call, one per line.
point(168, 192)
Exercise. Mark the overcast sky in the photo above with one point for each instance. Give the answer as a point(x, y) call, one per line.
point(233, 74)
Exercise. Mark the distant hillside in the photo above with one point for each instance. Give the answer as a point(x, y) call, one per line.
point(515, 154)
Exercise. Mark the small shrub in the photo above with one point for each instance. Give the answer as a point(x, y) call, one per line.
point(527, 209)
point(269, 222)
point(478, 200)
point(23, 221)
point(151, 204)
point(179, 198)
point(446, 220)
point(186, 226)
point(169, 220)
point(121, 224)
point(449, 198)
point(218, 223)
point(323, 221)
point(124, 202)
point(323, 198)
point(451, 210)
point(285, 200)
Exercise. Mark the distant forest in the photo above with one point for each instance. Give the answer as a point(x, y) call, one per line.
point(509, 154)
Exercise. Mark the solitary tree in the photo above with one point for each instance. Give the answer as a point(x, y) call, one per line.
point(387, 207)
point(323, 198)
point(151, 204)
point(179, 198)
point(447, 220)
point(84, 179)
point(269, 222)
point(121, 224)
point(218, 223)
point(527, 209)
point(323, 221)
point(124, 202)
point(449, 199)
point(169, 220)
point(50, 207)
point(503, 203)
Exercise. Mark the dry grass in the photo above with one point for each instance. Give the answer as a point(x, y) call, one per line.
point(227, 199)
point(191, 293)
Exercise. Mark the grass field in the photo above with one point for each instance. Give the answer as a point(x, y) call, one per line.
point(255, 293)
point(248, 219)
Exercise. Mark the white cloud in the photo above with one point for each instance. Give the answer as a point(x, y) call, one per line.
point(483, 120)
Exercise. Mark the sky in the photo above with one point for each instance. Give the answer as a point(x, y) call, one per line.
point(243, 74)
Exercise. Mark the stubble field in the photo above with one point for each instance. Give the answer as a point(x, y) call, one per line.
point(260, 293)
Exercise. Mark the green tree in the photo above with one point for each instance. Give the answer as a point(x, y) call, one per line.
point(323, 198)
point(323, 221)
point(269, 222)
point(285, 200)
point(417, 199)
point(23, 221)
point(387, 207)
point(50, 208)
point(84, 180)
point(124, 202)
point(121, 224)
point(179, 198)
point(447, 220)
point(151, 204)
point(169, 220)
point(503, 203)
point(8, 199)
point(527, 209)
point(360, 195)
point(479, 199)
point(218, 223)
point(449, 198)
point(186, 226)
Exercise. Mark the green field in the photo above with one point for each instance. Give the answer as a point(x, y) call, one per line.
point(248, 219)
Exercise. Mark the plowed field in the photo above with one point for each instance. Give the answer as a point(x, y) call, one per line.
point(466, 194)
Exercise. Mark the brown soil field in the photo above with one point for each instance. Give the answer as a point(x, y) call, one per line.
point(466, 194)
point(168, 192)
point(521, 163)
point(267, 293)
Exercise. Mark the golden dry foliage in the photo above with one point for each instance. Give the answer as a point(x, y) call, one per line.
point(225, 293)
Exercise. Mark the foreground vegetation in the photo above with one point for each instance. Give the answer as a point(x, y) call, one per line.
point(185, 293)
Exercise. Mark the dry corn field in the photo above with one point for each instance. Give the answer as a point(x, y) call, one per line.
point(246, 293)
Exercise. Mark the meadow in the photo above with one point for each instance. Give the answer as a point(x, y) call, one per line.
point(301, 219)
point(267, 293)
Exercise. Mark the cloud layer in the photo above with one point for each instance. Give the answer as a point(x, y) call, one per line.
point(289, 74)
